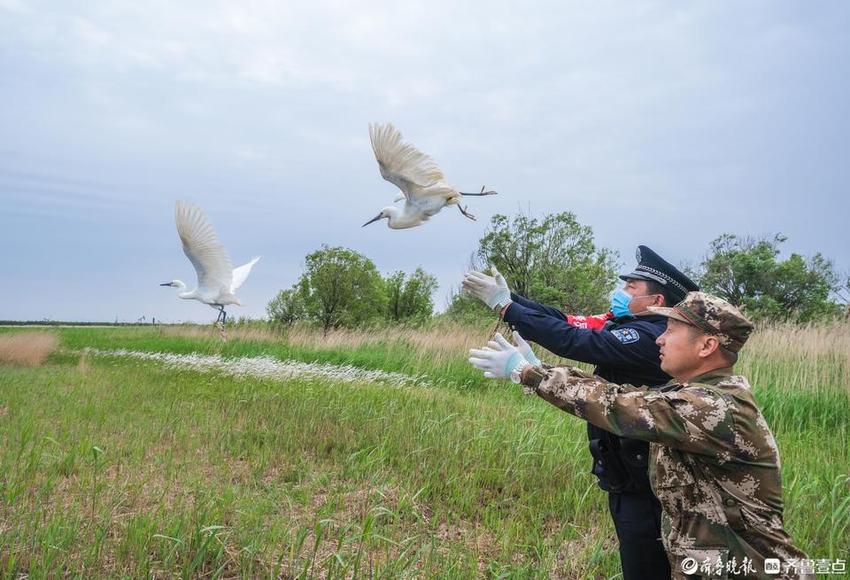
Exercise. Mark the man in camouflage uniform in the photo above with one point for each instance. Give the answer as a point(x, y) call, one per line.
point(714, 464)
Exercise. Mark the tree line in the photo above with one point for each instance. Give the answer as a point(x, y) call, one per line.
point(342, 288)
point(555, 260)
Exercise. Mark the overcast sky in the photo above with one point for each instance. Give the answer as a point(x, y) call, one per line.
point(662, 123)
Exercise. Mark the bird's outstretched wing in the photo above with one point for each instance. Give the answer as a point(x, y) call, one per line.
point(202, 247)
point(240, 274)
point(401, 163)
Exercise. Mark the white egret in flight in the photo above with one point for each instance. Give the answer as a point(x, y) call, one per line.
point(217, 279)
point(418, 178)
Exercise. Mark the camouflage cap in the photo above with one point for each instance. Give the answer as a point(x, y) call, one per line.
point(712, 315)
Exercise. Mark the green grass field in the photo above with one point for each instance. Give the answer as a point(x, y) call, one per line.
point(120, 467)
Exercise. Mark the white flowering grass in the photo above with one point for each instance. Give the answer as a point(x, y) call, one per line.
point(265, 367)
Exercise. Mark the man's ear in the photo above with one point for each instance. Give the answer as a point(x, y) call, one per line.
point(710, 345)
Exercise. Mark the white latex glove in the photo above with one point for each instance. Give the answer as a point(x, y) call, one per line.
point(491, 290)
point(498, 359)
point(525, 350)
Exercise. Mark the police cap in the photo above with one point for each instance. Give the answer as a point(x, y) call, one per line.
point(651, 266)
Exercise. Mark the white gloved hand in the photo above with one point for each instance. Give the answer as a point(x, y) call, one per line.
point(498, 359)
point(491, 290)
point(525, 350)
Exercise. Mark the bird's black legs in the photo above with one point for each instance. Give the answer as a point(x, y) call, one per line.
point(465, 213)
point(220, 320)
point(482, 192)
point(462, 209)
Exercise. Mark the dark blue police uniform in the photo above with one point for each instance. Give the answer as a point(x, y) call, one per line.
point(623, 352)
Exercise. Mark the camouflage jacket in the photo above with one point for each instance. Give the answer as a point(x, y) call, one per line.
point(714, 465)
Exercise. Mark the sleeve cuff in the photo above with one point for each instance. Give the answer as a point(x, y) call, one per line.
point(504, 310)
point(531, 376)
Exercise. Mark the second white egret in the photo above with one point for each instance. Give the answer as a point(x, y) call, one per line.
point(218, 280)
point(418, 178)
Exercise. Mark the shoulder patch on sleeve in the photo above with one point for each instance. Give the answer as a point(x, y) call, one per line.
point(626, 335)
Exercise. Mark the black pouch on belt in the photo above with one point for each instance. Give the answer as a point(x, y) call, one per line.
point(607, 464)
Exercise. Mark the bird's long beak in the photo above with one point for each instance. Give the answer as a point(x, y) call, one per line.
point(166, 284)
point(374, 219)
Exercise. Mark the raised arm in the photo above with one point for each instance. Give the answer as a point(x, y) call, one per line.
point(693, 419)
point(626, 348)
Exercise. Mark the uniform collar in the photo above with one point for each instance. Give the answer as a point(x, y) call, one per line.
point(649, 316)
point(712, 377)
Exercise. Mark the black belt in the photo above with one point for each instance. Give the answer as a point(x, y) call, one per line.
point(620, 464)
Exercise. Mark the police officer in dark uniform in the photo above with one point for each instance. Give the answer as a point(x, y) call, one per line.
point(624, 351)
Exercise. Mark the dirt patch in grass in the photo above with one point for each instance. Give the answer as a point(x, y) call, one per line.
point(29, 349)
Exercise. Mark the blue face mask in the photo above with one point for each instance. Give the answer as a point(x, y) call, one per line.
point(620, 303)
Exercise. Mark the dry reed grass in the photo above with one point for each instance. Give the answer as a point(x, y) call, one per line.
point(814, 356)
point(809, 342)
point(27, 348)
point(448, 336)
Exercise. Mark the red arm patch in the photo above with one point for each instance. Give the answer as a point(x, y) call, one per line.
point(593, 322)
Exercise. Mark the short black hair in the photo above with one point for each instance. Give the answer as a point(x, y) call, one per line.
point(657, 288)
point(729, 356)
